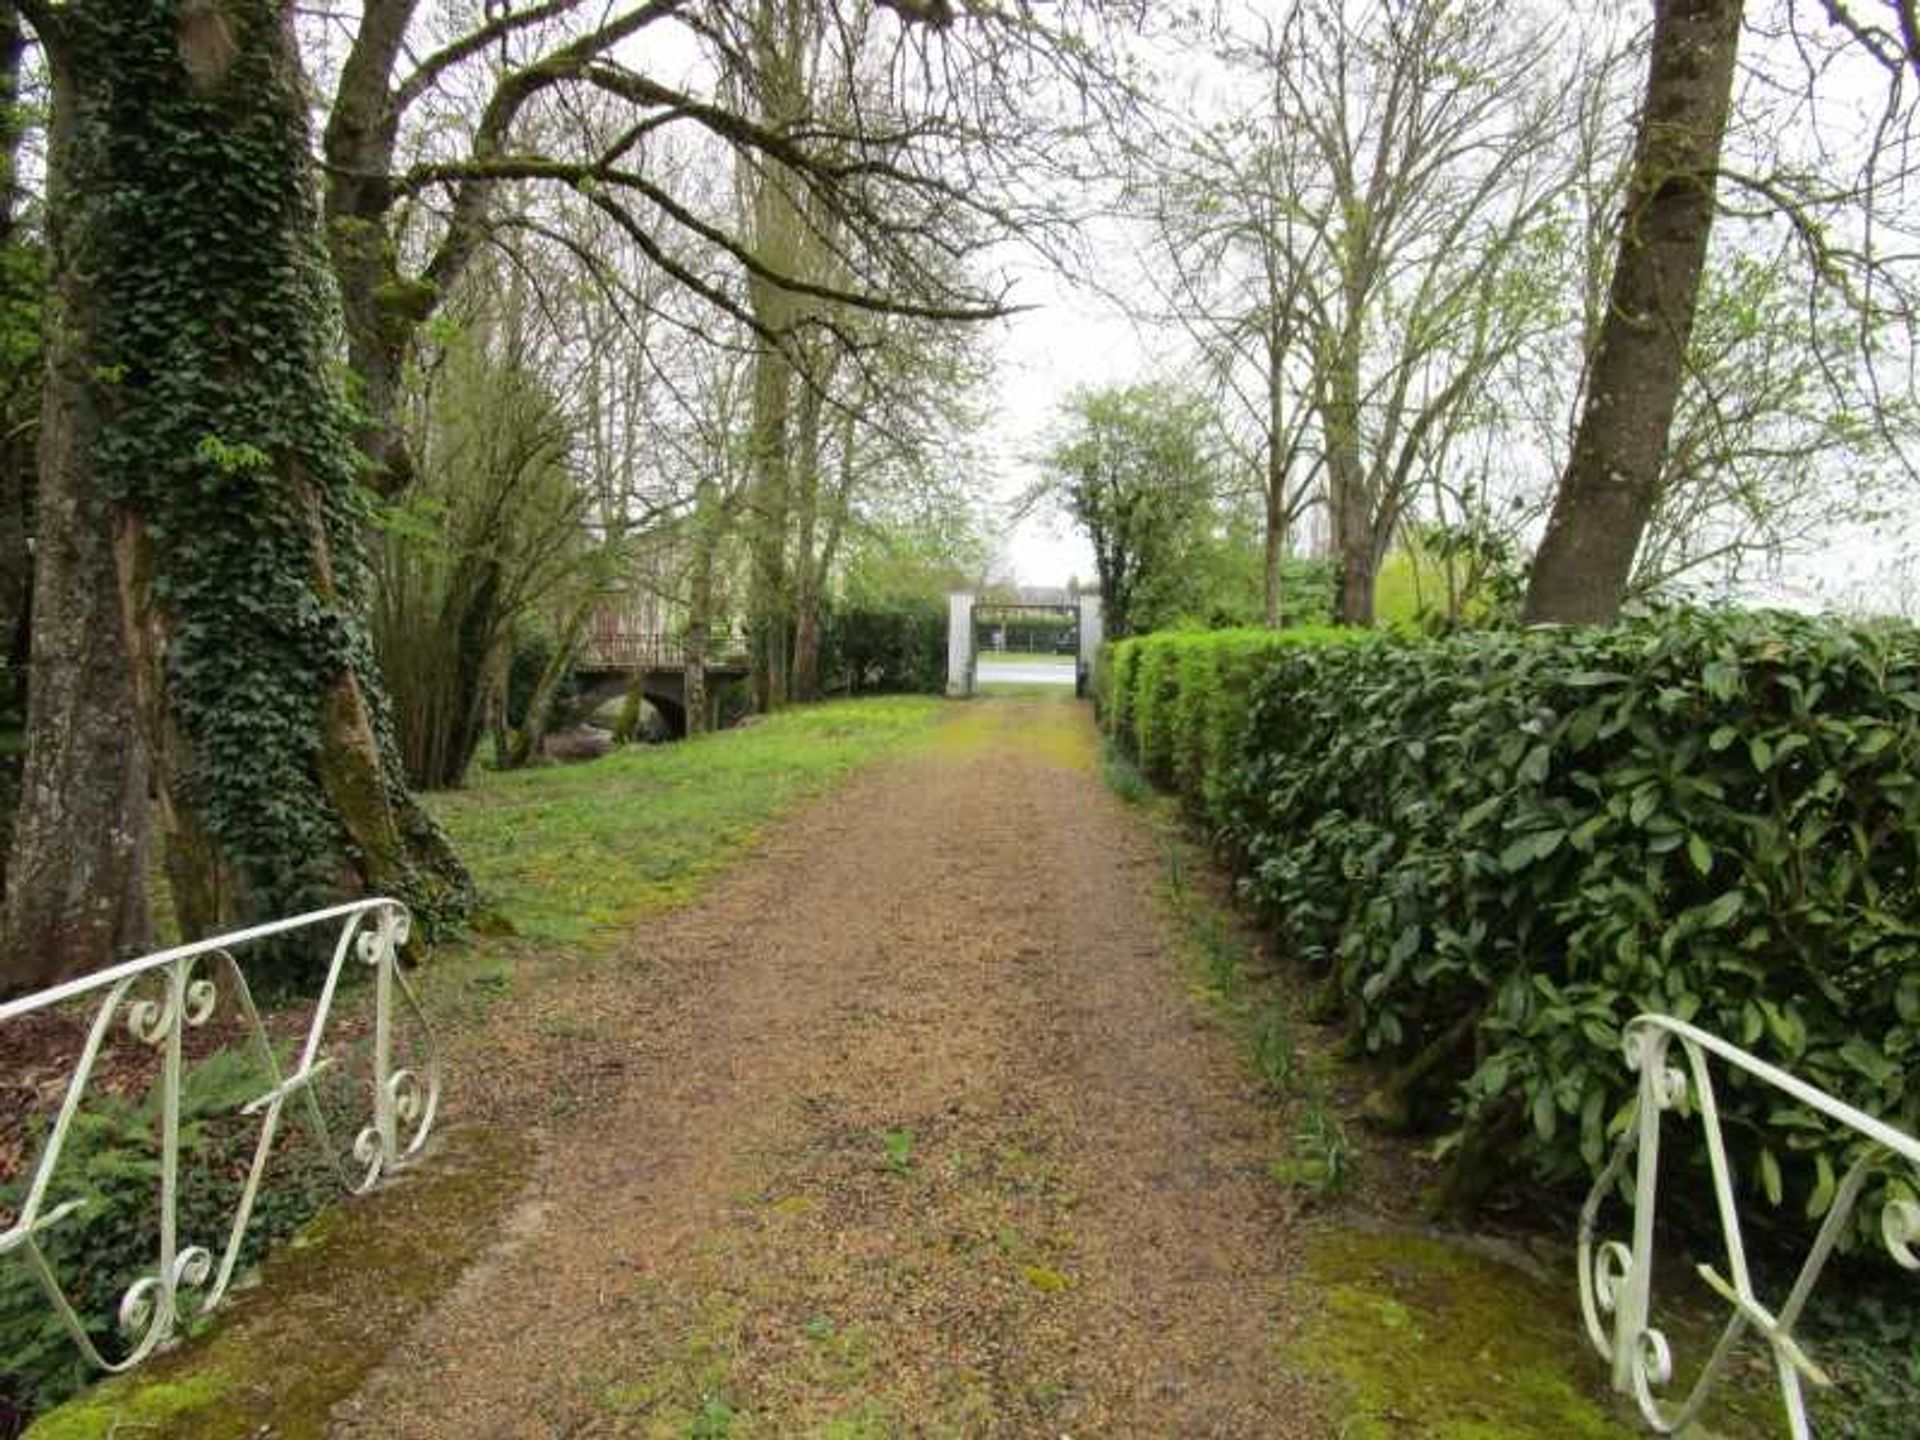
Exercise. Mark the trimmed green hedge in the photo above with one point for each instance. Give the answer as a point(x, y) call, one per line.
point(1501, 847)
point(1178, 701)
point(896, 648)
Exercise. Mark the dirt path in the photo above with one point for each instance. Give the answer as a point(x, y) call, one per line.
point(910, 1128)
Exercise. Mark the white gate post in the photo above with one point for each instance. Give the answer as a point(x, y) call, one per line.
point(959, 645)
point(1092, 632)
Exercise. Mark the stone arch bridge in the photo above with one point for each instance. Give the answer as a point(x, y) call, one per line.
point(611, 659)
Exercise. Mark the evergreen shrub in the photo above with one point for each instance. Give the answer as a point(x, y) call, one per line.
point(1500, 847)
point(1177, 701)
point(892, 647)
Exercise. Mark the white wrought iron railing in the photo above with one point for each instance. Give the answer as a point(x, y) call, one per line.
point(160, 997)
point(1616, 1280)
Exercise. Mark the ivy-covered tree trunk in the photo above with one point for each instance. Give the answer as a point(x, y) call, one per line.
point(208, 358)
point(1606, 498)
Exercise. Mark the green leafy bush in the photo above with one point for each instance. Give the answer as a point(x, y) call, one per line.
point(1102, 683)
point(1178, 701)
point(111, 1162)
point(896, 648)
point(1119, 686)
point(1156, 677)
point(1501, 847)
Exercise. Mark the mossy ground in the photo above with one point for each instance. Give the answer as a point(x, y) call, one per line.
point(1422, 1336)
point(1046, 724)
point(278, 1358)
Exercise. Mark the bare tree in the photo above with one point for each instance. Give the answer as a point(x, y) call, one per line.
point(934, 154)
point(1234, 258)
point(1416, 172)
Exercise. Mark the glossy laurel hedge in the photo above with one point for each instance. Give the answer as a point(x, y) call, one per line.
point(1178, 701)
point(1498, 848)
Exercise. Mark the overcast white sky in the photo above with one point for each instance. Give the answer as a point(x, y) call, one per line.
point(1074, 337)
point(1068, 340)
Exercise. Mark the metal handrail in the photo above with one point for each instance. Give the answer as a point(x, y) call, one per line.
point(638, 649)
point(1616, 1280)
point(404, 1103)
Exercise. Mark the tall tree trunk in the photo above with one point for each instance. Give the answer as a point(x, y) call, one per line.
point(21, 310)
point(709, 520)
point(381, 309)
point(497, 726)
point(1272, 557)
point(782, 35)
point(1353, 541)
point(1275, 550)
point(533, 729)
point(205, 406)
point(447, 753)
point(768, 600)
point(1350, 497)
point(1601, 510)
point(808, 579)
point(77, 872)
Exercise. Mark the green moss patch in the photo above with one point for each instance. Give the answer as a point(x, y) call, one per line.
point(280, 1357)
point(1049, 729)
point(1423, 1337)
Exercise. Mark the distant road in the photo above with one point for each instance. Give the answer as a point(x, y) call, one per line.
point(994, 671)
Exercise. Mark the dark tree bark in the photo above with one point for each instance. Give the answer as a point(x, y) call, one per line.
point(382, 309)
point(1350, 492)
point(709, 522)
point(1600, 512)
point(77, 869)
point(809, 580)
point(768, 602)
point(1354, 547)
point(1278, 516)
point(21, 364)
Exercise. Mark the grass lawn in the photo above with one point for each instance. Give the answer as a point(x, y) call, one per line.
point(1026, 689)
point(990, 658)
point(571, 853)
